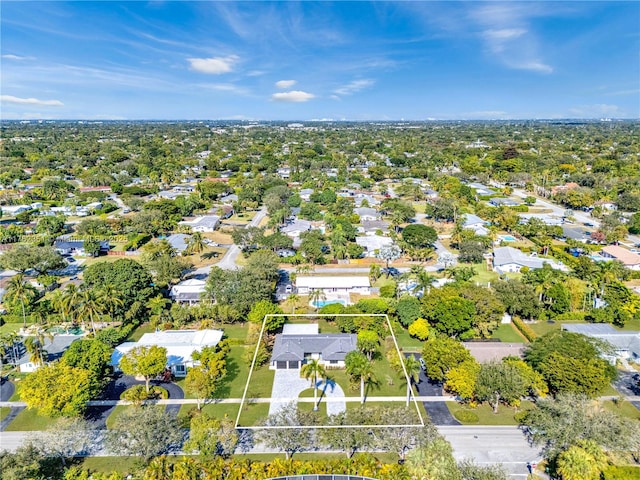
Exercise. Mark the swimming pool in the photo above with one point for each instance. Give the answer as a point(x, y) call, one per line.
point(507, 238)
point(322, 303)
point(66, 331)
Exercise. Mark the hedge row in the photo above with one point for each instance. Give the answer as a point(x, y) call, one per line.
point(524, 329)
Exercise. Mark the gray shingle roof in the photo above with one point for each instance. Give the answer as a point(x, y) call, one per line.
point(331, 346)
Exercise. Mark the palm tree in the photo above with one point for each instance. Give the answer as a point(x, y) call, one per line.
point(423, 281)
point(109, 296)
point(374, 272)
point(293, 299)
point(316, 296)
point(35, 349)
point(91, 307)
point(412, 368)
point(312, 370)
point(196, 243)
point(361, 369)
point(19, 290)
point(71, 299)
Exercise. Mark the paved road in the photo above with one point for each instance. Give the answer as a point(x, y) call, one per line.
point(228, 261)
point(493, 444)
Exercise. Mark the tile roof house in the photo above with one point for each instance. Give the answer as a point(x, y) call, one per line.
point(629, 259)
point(180, 345)
point(292, 350)
point(509, 259)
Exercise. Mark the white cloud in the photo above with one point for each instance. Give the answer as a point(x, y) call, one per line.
point(503, 33)
point(285, 83)
point(30, 101)
point(214, 65)
point(533, 66)
point(294, 96)
point(15, 57)
point(225, 87)
point(354, 87)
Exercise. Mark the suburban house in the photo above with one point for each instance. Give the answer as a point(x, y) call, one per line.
point(372, 227)
point(367, 214)
point(333, 284)
point(370, 199)
point(373, 243)
point(305, 194)
point(576, 234)
point(296, 228)
point(629, 259)
point(229, 199)
point(503, 202)
point(481, 189)
point(180, 345)
point(549, 220)
point(284, 172)
point(475, 223)
point(300, 343)
point(188, 291)
point(179, 242)
point(626, 344)
point(206, 223)
point(76, 247)
point(509, 259)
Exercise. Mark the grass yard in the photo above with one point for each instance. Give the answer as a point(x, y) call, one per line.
point(236, 331)
point(505, 415)
point(29, 420)
point(237, 370)
point(4, 411)
point(122, 465)
point(622, 408)
point(542, 327)
point(407, 342)
point(484, 276)
point(216, 410)
point(11, 327)
point(253, 413)
point(138, 332)
point(507, 333)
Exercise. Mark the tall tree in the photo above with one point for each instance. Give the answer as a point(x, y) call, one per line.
point(499, 382)
point(313, 370)
point(145, 361)
point(361, 370)
point(18, 290)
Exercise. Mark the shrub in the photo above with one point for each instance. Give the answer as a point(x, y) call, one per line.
point(466, 416)
point(136, 394)
point(525, 329)
point(621, 472)
point(388, 291)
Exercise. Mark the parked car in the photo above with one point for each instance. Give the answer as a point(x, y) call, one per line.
point(422, 364)
point(288, 289)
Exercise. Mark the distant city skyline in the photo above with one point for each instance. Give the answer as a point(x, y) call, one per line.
point(353, 61)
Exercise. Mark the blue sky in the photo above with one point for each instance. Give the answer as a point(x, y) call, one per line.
point(319, 60)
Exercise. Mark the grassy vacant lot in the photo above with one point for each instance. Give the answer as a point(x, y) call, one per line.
point(507, 333)
point(138, 332)
point(29, 420)
point(407, 342)
point(505, 415)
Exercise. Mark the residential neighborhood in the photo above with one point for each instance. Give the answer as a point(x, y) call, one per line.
point(348, 286)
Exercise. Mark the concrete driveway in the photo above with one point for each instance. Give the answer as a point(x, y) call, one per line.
point(287, 386)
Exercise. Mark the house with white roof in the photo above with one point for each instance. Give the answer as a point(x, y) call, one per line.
point(180, 345)
point(305, 194)
point(179, 241)
point(475, 223)
point(509, 259)
point(188, 292)
point(296, 228)
point(549, 220)
point(333, 284)
point(205, 223)
point(373, 243)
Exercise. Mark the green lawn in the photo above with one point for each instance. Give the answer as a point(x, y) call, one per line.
point(11, 327)
point(114, 414)
point(235, 331)
point(389, 382)
point(29, 420)
point(407, 342)
point(485, 413)
point(216, 410)
point(483, 276)
point(138, 332)
point(4, 411)
point(507, 333)
point(623, 408)
point(253, 413)
point(122, 465)
point(541, 327)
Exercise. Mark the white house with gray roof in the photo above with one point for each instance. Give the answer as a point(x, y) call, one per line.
point(373, 243)
point(188, 292)
point(205, 224)
point(333, 284)
point(366, 213)
point(292, 350)
point(511, 260)
point(475, 223)
point(626, 344)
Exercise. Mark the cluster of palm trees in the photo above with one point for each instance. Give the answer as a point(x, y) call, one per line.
point(79, 304)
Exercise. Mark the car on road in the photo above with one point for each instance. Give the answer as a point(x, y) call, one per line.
point(422, 364)
point(288, 289)
point(588, 224)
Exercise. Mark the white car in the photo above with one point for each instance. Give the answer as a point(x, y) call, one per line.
point(288, 289)
point(422, 364)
